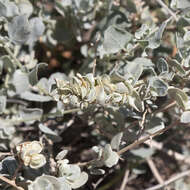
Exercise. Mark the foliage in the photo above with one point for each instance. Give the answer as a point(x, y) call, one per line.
point(123, 66)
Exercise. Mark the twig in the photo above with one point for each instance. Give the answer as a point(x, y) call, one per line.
point(125, 180)
point(52, 162)
point(10, 182)
point(94, 67)
point(141, 124)
point(17, 170)
point(150, 136)
point(176, 155)
point(154, 171)
point(14, 58)
point(166, 107)
point(2, 154)
point(171, 180)
point(167, 9)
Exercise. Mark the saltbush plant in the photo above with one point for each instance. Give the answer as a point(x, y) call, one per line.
point(115, 72)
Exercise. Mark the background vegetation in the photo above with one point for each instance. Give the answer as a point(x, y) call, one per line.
point(94, 94)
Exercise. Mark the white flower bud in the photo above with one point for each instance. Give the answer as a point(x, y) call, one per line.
point(29, 153)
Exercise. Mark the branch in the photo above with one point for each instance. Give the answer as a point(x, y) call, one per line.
point(13, 57)
point(171, 180)
point(167, 9)
point(144, 139)
point(10, 182)
point(154, 171)
point(176, 155)
point(125, 180)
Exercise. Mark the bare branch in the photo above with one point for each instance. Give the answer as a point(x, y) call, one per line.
point(144, 139)
point(171, 180)
point(10, 182)
point(167, 9)
point(125, 180)
point(154, 171)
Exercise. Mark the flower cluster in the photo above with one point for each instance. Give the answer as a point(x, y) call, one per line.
point(48, 182)
point(29, 153)
point(103, 90)
point(69, 177)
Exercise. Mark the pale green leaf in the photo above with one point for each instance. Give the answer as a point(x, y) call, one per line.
point(30, 114)
point(46, 130)
point(116, 140)
point(20, 81)
point(33, 75)
point(158, 86)
point(143, 152)
point(110, 158)
point(3, 100)
point(35, 97)
point(115, 39)
point(185, 117)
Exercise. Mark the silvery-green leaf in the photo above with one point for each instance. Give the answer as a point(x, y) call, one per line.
point(7, 64)
point(37, 29)
point(66, 3)
point(181, 184)
point(115, 39)
point(179, 4)
point(3, 100)
point(48, 182)
point(141, 31)
point(116, 97)
point(61, 155)
point(60, 76)
point(155, 40)
point(155, 124)
point(121, 88)
point(79, 181)
point(46, 130)
point(1, 66)
point(90, 78)
point(138, 171)
point(116, 77)
point(180, 101)
point(6, 129)
point(8, 9)
point(8, 166)
point(96, 171)
point(116, 140)
point(37, 161)
point(110, 158)
point(19, 29)
point(135, 69)
point(135, 101)
point(178, 67)
point(91, 96)
point(186, 36)
point(179, 96)
point(185, 117)
point(100, 95)
point(25, 7)
point(70, 171)
point(43, 84)
point(143, 152)
point(83, 91)
point(33, 75)
point(35, 97)
point(30, 114)
point(145, 62)
point(158, 86)
point(20, 81)
point(162, 66)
